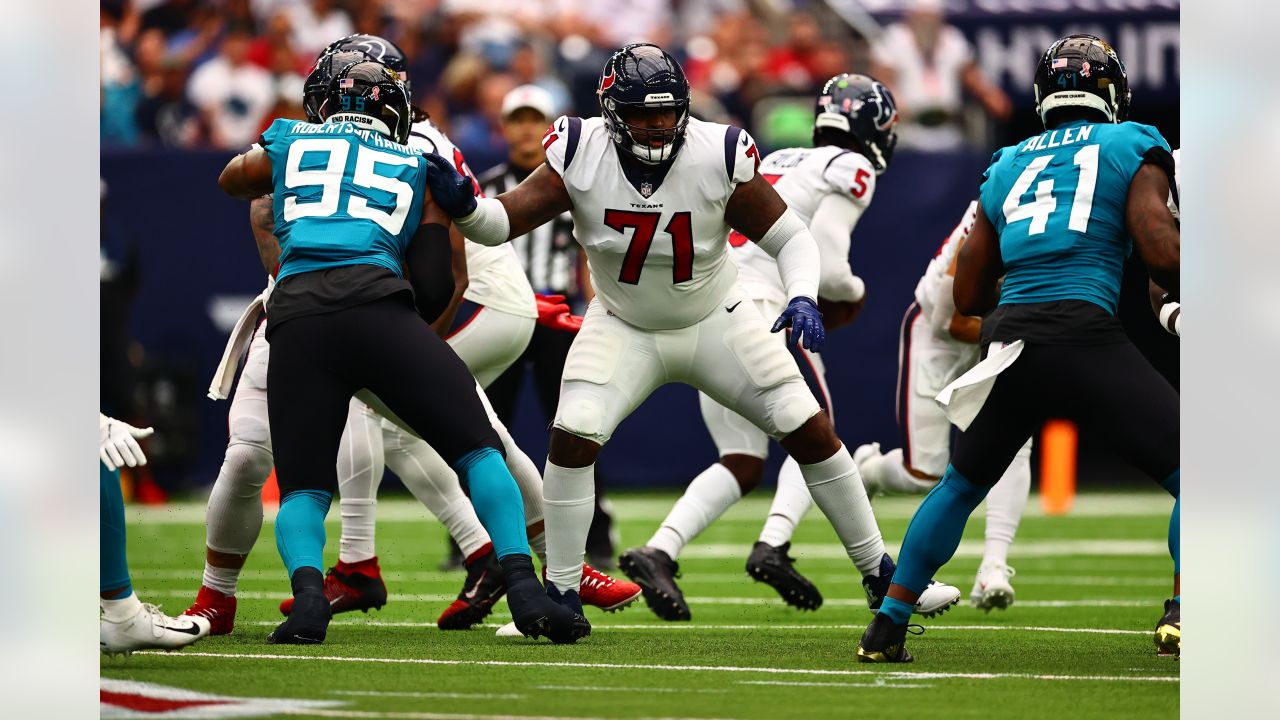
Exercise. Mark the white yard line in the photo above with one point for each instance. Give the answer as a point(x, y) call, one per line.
point(787, 683)
point(409, 694)
point(674, 668)
point(427, 625)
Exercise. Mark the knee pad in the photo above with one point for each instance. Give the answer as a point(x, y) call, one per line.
point(250, 429)
point(581, 412)
point(794, 409)
point(248, 465)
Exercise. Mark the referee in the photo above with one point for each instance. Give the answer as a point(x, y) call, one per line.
point(554, 263)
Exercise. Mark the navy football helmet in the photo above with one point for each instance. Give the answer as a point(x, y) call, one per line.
point(377, 48)
point(370, 95)
point(1082, 71)
point(637, 77)
point(857, 112)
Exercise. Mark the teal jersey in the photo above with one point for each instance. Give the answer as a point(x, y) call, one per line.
point(343, 196)
point(1057, 202)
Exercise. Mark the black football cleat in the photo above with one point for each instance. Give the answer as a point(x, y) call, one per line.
point(655, 572)
point(485, 585)
point(539, 612)
point(1169, 630)
point(772, 566)
point(885, 641)
point(308, 622)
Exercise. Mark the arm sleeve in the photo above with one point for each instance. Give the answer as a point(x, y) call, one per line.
point(430, 261)
point(832, 228)
point(799, 262)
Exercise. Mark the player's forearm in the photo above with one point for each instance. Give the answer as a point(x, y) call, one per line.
point(799, 260)
point(431, 270)
point(832, 227)
point(964, 328)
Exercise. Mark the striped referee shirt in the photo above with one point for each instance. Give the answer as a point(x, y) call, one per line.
point(548, 253)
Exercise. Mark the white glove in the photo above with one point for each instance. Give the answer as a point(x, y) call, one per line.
point(119, 443)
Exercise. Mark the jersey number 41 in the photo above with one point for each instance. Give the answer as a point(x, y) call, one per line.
point(1039, 209)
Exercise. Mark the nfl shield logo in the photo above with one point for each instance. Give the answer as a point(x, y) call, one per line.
point(646, 189)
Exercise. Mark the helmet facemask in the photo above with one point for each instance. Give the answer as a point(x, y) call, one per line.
point(652, 146)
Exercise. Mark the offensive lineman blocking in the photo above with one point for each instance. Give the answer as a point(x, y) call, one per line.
point(665, 308)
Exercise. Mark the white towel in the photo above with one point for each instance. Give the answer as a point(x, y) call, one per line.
point(965, 396)
point(241, 336)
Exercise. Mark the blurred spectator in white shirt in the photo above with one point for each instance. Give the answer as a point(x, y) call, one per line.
point(929, 65)
point(232, 93)
point(316, 24)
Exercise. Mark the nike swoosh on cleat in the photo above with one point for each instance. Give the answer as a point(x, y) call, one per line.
point(733, 307)
point(192, 630)
point(472, 595)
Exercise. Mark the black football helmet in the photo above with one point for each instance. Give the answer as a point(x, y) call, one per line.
point(1082, 71)
point(316, 87)
point(858, 107)
point(642, 75)
point(368, 94)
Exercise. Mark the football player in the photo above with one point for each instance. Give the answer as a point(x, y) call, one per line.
point(345, 320)
point(828, 187)
point(1057, 215)
point(937, 345)
point(126, 623)
point(488, 323)
point(653, 194)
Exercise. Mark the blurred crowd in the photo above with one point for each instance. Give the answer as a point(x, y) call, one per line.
point(213, 73)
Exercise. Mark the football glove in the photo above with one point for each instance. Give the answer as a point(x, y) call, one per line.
point(119, 443)
point(454, 192)
point(804, 320)
point(555, 314)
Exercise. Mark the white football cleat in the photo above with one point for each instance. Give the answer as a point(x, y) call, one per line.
point(150, 629)
point(937, 598)
point(509, 631)
point(991, 588)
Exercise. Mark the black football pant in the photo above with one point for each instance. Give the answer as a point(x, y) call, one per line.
point(318, 362)
point(1111, 389)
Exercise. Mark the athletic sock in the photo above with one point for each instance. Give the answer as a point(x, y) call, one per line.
point(224, 580)
point(300, 529)
point(539, 544)
point(790, 503)
point(359, 516)
point(113, 563)
point(837, 489)
point(895, 478)
point(526, 475)
point(569, 498)
point(120, 609)
point(1173, 484)
point(710, 494)
point(460, 519)
point(935, 530)
point(496, 499)
point(896, 610)
point(1005, 503)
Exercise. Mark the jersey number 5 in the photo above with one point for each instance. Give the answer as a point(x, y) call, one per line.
point(1042, 207)
point(329, 179)
point(645, 224)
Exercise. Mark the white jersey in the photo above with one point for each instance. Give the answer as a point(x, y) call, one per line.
point(657, 255)
point(804, 178)
point(931, 283)
point(496, 279)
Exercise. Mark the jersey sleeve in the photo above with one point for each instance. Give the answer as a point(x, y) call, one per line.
point(851, 175)
point(989, 196)
point(277, 129)
point(561, 142)
point(741, 155)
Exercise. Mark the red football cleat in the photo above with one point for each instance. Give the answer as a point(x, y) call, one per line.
point(485, 585)
point(351, 586)
point(218, 609)
point(607, 593)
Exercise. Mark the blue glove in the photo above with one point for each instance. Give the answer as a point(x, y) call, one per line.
point(804, 320)
point(454, 192)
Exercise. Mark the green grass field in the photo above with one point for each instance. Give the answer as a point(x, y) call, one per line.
point(1076, 643)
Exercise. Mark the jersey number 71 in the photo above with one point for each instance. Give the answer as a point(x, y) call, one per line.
point(645, 224)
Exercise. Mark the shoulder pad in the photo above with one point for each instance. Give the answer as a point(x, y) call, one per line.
point(741, 156)
point(561, 142)
point(849, 173)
